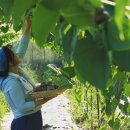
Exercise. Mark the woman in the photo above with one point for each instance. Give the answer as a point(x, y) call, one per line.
point(27, 113)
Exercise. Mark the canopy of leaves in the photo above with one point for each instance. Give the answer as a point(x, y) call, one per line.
point(91, 57)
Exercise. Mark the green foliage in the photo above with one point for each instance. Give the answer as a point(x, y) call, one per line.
point(121, 59)
point(3, 105)
point(68, 72)
point(91, 62)
point(19, 9)
point(69, 43)
point(6, 6)
point(120, 12)
point(31, 73)
point(114, 38)
point(94, 38)
point(79, 16)
point(57, 4)
point(47, 22)
point(57, 77)
point(84, 15)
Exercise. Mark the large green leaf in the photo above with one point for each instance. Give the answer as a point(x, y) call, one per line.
point(120, 12)
point(42, 23)
point(122, 59)
point(57, 4)
point(6, 6)
point(1, 13)
point(79, 16)
point(69, 43)
point(114, 41)
point(20, 7)
point(91, 62)
point(96, 3)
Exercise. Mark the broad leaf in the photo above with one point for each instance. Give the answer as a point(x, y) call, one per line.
point(122, 59)
point(79, 16)
point(1, 13)
point(7, 6)
point(120, 12)
point(91, 62)
point(42, 23)
point(96, 3)
point(69, 43)
point(19, 10)
point(113, 36)
point(57, 4)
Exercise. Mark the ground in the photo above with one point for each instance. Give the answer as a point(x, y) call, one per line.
point(55, 115)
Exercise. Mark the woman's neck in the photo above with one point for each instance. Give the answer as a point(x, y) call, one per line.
point(13, 70)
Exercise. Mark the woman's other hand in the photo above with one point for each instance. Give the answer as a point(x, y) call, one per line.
point(28, 23)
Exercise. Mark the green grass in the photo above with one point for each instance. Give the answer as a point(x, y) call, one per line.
point(3, 105)
point(4, 108)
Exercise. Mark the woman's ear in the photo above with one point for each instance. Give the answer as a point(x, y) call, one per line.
point(11, 64)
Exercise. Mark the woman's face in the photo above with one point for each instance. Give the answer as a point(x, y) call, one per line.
point(16, 60)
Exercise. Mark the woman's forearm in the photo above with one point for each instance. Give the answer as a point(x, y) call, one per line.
point(28, 23)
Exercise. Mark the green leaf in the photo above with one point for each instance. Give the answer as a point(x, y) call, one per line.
point(1, 13)
point(78, 93)
point(62, 82)
point(4, 29)
point(69, 43)
point(117, 124)
point(79, 16)
point(114, 41)
point(125, 109)
point(111, 122)
point(91, 62)
point(121, 59)
point(103, 128)
point(121, 76)
point(120, 12)
point(127, 90)
point(78, 96)
point(57, 4)
point(96, 3)
point(7, 6)
point(114, 124)
point(118, 88)
point(68, 72)
point(42, 23)
point(19, 10)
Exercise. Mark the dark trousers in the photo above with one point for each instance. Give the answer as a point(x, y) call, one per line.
point(28, 122)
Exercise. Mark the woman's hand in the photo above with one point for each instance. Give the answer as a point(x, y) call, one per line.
point(42, 101)
point(28, 24)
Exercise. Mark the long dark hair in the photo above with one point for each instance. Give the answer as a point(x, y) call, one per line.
point(10, 59)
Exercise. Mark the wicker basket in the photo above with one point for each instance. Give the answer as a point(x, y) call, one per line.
point(47, 94)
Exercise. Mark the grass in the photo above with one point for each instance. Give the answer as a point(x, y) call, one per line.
point(4, 108)
point(3, 105)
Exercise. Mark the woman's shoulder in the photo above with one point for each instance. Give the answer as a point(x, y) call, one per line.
point(9, 83)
